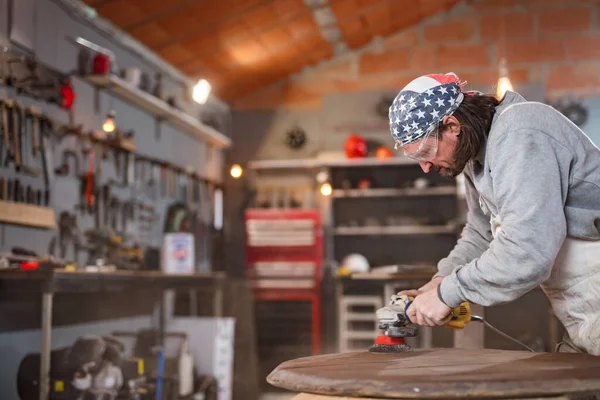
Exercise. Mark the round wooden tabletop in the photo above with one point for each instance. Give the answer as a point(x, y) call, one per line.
point(441, 373)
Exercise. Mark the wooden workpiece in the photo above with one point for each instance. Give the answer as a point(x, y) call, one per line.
point(440, 373)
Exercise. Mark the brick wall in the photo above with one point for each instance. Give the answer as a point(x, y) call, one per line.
point(552, 43)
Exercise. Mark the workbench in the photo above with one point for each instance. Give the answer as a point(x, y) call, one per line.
point(50, 282)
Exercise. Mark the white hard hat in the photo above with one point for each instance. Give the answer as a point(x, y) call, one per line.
point(355, 263)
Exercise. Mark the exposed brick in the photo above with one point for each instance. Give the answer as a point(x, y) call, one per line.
point(565, 20)
point(543, 4)
point(298, 94)
point(395, 60)
point(498, 26)
point(583, 48)
point(334, 69)
point(462, 56)
point(422, 58)
point(495, 5)
point(408, 37)
point(450, 30)
point(534, 51)
point(380, 82)
point(572, 77)
point(490, 76)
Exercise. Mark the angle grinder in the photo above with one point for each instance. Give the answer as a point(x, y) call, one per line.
point(396, 324)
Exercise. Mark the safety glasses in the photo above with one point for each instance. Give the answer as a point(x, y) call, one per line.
point(425, 149)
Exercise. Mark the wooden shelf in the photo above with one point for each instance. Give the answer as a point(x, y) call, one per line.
point(395, 192)
point(27, 215)
point(395, 230)
point(317, 163)
point(159, 108)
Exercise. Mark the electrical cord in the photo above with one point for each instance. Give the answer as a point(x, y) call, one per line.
point(499, 332)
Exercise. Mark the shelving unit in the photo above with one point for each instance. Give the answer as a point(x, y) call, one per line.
point(393, 192)
point(159, 109)
point(328, 163)
point(395, 230)
point(392, 214)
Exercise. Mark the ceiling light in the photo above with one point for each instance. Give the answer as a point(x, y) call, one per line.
point(201, 91)
point(236, 171)
point(109, 123)
point(504, 83)
point(326, 189)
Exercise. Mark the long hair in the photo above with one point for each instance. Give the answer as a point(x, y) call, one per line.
point(475, 115)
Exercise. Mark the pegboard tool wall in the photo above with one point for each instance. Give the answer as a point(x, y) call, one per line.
point(45, 25)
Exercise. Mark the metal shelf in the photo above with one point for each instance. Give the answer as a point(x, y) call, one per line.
point(394, 192)
point(394, 230)
point(317, 163)
point(159, 108)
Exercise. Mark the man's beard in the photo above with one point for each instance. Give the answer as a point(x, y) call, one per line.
point(453, 170)
point(462, 156)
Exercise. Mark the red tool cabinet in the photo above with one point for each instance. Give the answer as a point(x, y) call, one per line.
point(284, 252)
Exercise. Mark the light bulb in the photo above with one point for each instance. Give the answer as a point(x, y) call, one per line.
point(201, 91)
point(504, 83)
point(236, 171)
point(503, 86)
point(326, 189)
point(322, 176)
point(109, 123)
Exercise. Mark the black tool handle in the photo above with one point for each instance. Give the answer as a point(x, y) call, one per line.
point(17, 121)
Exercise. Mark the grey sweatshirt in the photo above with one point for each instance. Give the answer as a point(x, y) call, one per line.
point(540, 174)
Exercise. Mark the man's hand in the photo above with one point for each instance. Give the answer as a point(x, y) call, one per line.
point(432, 284)
point(427, 309)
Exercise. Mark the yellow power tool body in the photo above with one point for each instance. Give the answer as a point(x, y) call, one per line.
point(394, 315)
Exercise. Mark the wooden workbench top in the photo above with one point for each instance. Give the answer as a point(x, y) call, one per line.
point(441, 373)
point(82, 282)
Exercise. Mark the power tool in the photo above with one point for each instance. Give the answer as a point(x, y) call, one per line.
point(396, 325)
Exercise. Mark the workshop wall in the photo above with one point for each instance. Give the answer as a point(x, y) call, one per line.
point(552, 51)
point(41, 26)
point(552, 43)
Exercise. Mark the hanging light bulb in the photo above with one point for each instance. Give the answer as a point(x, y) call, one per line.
point(326, 189)
point(236, 171)
point(504, 83)
point(109, 123)
point(201, 91)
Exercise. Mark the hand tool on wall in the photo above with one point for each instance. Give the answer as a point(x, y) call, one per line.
point(45, 131)
point(64, 169)
point(163, 180)
point(106, 204)
point(396, 325)
point(3, 188)
point(5, 132)
point(29, 136)
point(67, 235)
point(89, 181)
point(16, 130)
point(12, 123)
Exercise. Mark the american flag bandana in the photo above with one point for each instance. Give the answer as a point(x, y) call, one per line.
point(419, 108)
